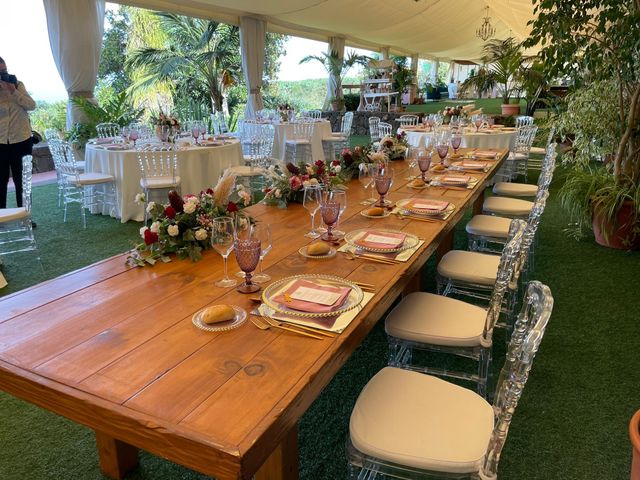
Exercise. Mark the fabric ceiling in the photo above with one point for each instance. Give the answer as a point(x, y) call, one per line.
point(444, 29)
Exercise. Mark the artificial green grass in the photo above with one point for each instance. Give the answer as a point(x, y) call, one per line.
point(488, 105)
point(571, 422)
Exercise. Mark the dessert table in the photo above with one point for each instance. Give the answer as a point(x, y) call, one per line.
point(113, 347)
point(490, 138)
point(284, 131)
point(198, 167)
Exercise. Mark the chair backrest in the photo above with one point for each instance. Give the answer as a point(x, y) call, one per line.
point(525, 340)
point(63, 158)
point(525, 137)
point(523, 120)
point(303, 130)
point(219, 123)
point(408, 120)
point(27, 173)
point(158, 160)
point(313, 114)
point(384, 129)
point(347, 122)
point(548, 166)
point(505, 277)
point(374, 130)
point(108, 130)
point(51, 133)
point(258, 143)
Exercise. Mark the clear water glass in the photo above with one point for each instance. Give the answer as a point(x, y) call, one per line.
point(222, 237)
point(339, 196)
point(262, 232)
point(311, 202)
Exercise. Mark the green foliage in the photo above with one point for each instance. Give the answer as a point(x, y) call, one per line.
point(336, 66)
point(49, 115)
point(351, 101)
point(114, 43)
point(403, 76)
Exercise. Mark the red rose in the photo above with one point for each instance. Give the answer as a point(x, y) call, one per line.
point(170, 212)
point(293, 169)
point(150, 237)
point(295, 183)
point(319, 163)
point(232, 207)
point(335, 163)
point(210, 191)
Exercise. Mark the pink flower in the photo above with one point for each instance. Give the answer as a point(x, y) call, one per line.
point(295, 183)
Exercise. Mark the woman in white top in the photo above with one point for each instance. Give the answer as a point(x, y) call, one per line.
point(15, 132)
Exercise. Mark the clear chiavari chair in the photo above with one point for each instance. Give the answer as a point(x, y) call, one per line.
point(158, 172)
point(259, 147)
point(298, 148)
point(385, 129)
point(429, 322)
point(56, 149)
point(313, 114)
point(409, 425)
point(523, 120)
point(518, 159)
point(108, 130)
point(338, 140)
point(374, 129)
point(408, 120)
point(523, 190)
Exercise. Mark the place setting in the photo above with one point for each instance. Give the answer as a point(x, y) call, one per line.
point(386, 246)
point(424, 209)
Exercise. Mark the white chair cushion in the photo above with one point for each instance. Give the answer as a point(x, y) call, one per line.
point(93, 178)
point(518, 156)
point(472, 267)
point(11, 214)
point(507, 206)
point(537, 151)
point(421, 421)
point(334, 139)
point(159, 182)
point(489, 226)
point(427, 318)
point(515, 189)
point(337, 134)
point(247, 171)
point(81, 166)
point(299, 142)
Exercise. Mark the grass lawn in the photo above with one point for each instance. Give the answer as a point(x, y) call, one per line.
point(571, 423)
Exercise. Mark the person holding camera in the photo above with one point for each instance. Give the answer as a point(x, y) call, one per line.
point(15, 132)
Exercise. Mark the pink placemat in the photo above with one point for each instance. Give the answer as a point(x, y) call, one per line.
point(418, 204)
point(457, 179)
point(304, 306)
point(485, 153)
point(392, 240)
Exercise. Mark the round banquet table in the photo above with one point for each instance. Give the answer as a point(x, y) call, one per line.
point(284, 131)
point(198, 167)
point(470, 138)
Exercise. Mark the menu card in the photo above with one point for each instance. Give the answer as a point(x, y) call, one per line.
point(311, 297)
point(427, 205)
point(381, 240)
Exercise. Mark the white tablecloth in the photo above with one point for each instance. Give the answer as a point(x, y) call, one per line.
point(284, 131)
point(198, 167)
point(469, 139)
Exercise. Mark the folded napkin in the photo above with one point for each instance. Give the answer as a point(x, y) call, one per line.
point(418, 204)
point(310, 297)
point(381, 240)
point(455, 179)
point(473, 165)
point(485, 154)
point(100, 141)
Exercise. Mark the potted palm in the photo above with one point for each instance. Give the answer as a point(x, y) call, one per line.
point(596, 42)
point(504, 68)
point(337, 68)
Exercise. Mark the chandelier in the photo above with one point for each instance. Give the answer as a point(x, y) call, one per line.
point(486, 30)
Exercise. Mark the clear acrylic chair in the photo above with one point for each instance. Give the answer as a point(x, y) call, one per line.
point(334, 144)
point(108, 130)
point(259, 148)
point(517, 162)
point(89, 190)
point(429, 322)
point(408, 120)
point(534, 162)
point(158, 172)
point(313, 114)
point(57, 150)
point(384, 129)
point(374, 130)
point(16, 228)
point(524, 190)
point(408, 425)
point(219, 123)
point(523, 120)
point(298, 148)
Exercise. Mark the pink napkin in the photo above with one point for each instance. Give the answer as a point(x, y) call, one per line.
point(470, 165)
point(485, 154)
point(457, 179)
point(394, 240)
point(312, 307)
point(427, 205)
point(101, 141)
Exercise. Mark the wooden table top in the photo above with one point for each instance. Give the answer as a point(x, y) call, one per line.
point(113, 347)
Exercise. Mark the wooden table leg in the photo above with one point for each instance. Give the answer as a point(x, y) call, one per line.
point(414, 284)
point(282, 464)
point(445, 245)
point(477, 205)
point(116, 457)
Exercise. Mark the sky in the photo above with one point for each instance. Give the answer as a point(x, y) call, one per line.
point(24, 45)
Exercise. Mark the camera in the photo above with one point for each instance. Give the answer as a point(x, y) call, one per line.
point(5, 77)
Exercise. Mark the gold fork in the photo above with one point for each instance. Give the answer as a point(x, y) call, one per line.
point(279, 323)
point(265, 326)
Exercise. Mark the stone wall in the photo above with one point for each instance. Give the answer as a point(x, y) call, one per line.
point(361, 120)
point(42, 160)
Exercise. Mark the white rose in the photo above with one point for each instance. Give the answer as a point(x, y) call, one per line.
point(155, 227)
point(337, 168)
point(173, 230)
point(150, 206)
point(192, 199)
point(278, 193)
point(201, 234)
point(142, 230)
point(189, 207)
point(139, 200)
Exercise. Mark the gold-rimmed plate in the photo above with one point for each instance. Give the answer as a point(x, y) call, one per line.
point(277, 288)
point(405, 205)
point(352, 238)
point(239, 318)
point(303, 251)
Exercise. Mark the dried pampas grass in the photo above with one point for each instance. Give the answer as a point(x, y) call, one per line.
point(224, 188)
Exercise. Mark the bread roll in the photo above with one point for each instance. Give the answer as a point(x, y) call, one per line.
point(375, 212)
point(218, 313)
point(417, 183)
point(439, 168)
point(318, 248)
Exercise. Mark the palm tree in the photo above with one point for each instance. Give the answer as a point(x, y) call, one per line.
point(201, 58)
point(337, 67)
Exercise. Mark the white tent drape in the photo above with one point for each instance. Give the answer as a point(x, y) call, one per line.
point(336, 44)
point(252, 40)
point(75, 35)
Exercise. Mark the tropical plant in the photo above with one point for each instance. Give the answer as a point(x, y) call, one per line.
point(597, 41)
point(504, 68)
point(49, 115)
point(201, 57)
point(403, 76)
point(337, 67)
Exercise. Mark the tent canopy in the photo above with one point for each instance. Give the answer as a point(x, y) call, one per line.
point(431, 28)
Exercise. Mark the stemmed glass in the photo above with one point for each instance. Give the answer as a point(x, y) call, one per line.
point(248, 249)
point(196, 131)
point(455, 140)
point(330, 211)
point(365, 172)
point(383, 180)
point(222, 236)
point(262, 232)
point(442, 146)
point(339, 196)
point(311, 201)
point(134, 134)
point(424, 162)
point(125, 134)
point(477, 121)
point(454, 123)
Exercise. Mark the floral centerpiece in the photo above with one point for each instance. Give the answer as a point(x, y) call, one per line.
point(394, 146)
point(285, 110)
point(183, 226)
point(351, 158)
point(449, 112)
point(287, 185)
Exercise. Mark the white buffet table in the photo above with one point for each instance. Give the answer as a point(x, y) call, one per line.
point(198, 167)
point(494, 138)
point(284, 131)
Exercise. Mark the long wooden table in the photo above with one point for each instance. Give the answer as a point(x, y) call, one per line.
point(113, 348)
